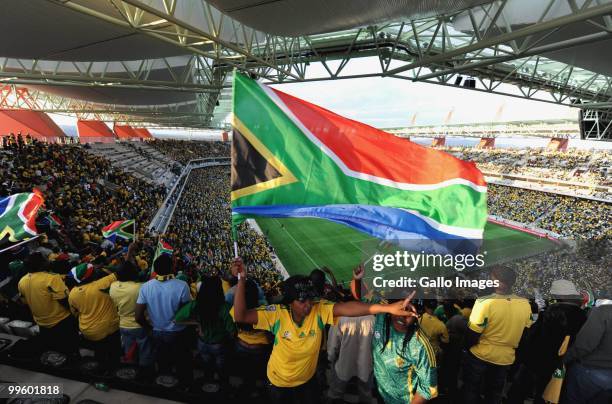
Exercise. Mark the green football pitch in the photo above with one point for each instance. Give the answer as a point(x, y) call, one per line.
point(305, 244)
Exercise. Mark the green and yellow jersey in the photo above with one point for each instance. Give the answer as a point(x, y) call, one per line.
point(295, 352)
point(435, 330)
point(402, 373)
point(500, 320)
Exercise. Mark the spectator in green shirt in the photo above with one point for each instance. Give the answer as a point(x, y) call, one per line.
point(404, 363)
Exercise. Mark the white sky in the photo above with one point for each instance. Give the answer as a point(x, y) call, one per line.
point(63, 119)
point(389, 102)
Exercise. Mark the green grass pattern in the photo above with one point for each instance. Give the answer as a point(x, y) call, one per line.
point(304, 244)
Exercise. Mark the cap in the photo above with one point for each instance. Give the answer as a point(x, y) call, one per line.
point(563, 287)
point(299, 287)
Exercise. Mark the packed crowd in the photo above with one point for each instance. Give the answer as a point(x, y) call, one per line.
point(12, 139)
point(592, 167)
point(287, 341)
point(183, 151)
point(83, 190)
point(588, 267)
point(565, 215)
point(166, 326)
point(201, 227)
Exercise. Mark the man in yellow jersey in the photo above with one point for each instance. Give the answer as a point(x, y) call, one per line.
point(434, 328)
point(298, 327)
point(47, 296)
point(124, 294)
point(98, 319)
point(495, 329)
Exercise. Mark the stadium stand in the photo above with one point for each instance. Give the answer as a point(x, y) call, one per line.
point(567, 216)
point(90, 186)
point(84, 190)
point(140, 160)
point(183, 151)
point(208, 238)
point(589, 167)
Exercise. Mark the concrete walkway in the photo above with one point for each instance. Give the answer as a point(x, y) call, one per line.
point(77, 391)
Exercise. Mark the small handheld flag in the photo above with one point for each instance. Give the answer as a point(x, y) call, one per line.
point(50, 219)
point(588, 298)
point(121, 228)
point(54, 221)
point(18, 217)
point(162, 248)
point(81, 272)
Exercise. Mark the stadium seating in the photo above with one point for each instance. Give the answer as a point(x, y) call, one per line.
point(90, 186)
point(200, 226)
point(140, 160)
point(83, 189)
point(183, 151)
point(585, 166)
point(567, 216)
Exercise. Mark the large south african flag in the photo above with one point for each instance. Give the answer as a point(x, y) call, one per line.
point(18, 217)
point(291, 158)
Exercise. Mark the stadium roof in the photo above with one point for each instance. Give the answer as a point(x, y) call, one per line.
point(93, 129)
point(168, 62)
point(564, 128)
point(321, 16)
point(36, 124)
point(125, 132)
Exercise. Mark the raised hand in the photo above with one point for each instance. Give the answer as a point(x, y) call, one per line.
point(238, 267)
point(359, 272)
point(403, 307)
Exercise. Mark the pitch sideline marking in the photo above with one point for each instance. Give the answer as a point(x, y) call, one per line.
point(296, 243)
point(523, 245)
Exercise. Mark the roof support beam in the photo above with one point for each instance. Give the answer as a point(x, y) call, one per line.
point(592, 38)
point(593, 12)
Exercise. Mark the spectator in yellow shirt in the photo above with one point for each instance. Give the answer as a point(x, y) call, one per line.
point(98, 319)
point(124, 294)
point(47, 297)
point(495, 329)
point(434, 329)
point(298, 327)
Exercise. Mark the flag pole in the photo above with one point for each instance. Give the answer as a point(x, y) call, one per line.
point(20, 243)
point(233, 120)
point(235, 237)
